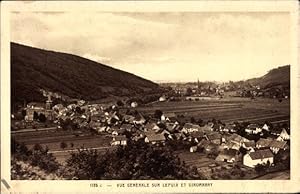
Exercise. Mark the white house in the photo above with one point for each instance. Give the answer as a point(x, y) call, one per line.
point(134, 104)
point(189, 128)
point(258, 157)
point(253, 129)
point(168, 116)
point(193, 149)
point(162, 99)
point(119, 140)
point(265, 127)
point(284, 135)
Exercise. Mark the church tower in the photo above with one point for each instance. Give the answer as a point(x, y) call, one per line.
point(49, 103)
point(198, 86)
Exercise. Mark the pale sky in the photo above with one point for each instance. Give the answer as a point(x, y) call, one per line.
point(169, 46)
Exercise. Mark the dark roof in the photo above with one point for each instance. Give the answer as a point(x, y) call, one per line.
point(205, 128)
point(170, 115)
point(229, 152)
point(250, 143)
point(197, 134)
point(156, 137)
point(264, 142)
point(170, 126)
point(214, 136)
point(191, 126)
point(126, 126)
point(229, 126)
point(128, 117)
point(150, 125)
point(261, 154)
point(120, 138)
point(252, 126)
point(278, 144)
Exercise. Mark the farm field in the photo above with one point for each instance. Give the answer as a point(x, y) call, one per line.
point(227, 110)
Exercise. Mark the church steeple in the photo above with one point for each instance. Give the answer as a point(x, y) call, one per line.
point(198, 84)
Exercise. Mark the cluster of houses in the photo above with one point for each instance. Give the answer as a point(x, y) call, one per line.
point(215, 138)
point(220, 140)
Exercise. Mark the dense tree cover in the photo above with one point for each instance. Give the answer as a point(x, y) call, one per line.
point(137, 160)
point(73, 76)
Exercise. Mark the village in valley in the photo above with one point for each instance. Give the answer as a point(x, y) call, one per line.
point(197, 126)
point(150, 95)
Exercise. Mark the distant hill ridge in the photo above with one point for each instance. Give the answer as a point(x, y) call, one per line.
point(275, 77)
point(33, 69)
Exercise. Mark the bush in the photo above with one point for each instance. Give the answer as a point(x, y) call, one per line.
point(120, 103)
point(63, 145)
point(158, 114)
point(137, 160)
point(37, 156)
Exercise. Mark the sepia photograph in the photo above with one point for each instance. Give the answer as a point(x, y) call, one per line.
point(150, 95)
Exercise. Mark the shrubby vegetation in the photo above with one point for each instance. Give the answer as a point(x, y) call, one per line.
point(137, 160)
point(37, 156)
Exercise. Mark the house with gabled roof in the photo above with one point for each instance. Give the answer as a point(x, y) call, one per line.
point(129, 119)
point(228, 155)
point(253, 129)
point(229, 128)
point(119, 140)
point(172, 127)
point(151, 126)
point(263, 143)
point(258, 157)
point(155, 138)
point(284, 135)
point(231, 145)
point(249, 145)
point(126, 127)
point(177, 136)
point(197, 136)
point(275, 146)
point(206, 129)
point(218, 127)
point(207, 146)
point(235, 138)
point(170, 116)
point(193, 148)
point(116, 130)
point(214, 138)
point(276, 131)
point(266, 127)
point(139, 119)
point(190, 127)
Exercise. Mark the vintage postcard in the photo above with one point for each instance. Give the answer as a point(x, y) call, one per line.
point(150, 96)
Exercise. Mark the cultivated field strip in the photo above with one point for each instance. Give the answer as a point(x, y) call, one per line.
point(232, 113)
point(187, 107)
point(281, 121)
point(190, 110)
point(42, 140)
point(41, 134)
point(259, 118)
